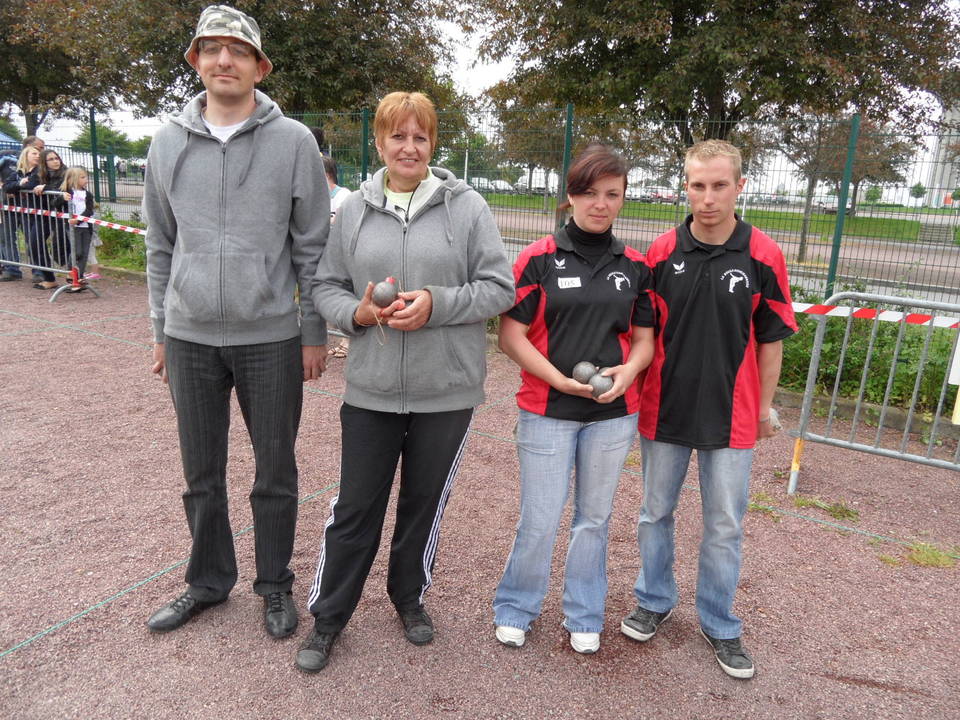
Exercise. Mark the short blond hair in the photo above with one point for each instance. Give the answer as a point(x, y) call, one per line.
point(22, 160)
point(72, 177)
point(397, 106)
point(708, 150)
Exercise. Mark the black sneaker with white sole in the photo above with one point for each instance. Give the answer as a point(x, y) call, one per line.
point(731, 656)
point(642, 624)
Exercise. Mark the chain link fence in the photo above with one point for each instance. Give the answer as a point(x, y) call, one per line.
point(853, 204)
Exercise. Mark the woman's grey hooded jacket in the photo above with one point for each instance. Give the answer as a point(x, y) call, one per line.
point(451, 247)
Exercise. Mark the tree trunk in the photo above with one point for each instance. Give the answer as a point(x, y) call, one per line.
point(807, 212)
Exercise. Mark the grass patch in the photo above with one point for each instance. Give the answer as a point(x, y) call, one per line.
point(634, 459)
point(122, 249)
point(760, 503)
point(889, 560)
point(927, 555)
point(837, 510)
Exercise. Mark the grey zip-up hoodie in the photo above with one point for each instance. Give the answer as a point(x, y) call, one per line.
point(451, 247)
point(233, 228)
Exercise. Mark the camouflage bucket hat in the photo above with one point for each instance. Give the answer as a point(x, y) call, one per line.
point(225, 21)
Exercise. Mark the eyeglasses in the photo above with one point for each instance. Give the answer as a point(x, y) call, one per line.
point(211, 48)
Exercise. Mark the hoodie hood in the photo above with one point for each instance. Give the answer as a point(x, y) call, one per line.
point(191, 120)
point(373, 195)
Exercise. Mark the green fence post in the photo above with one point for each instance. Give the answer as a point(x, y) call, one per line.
point(365, 143)
point(94, 154)
point(111, 174)
point(842, 204)
point(567, 150)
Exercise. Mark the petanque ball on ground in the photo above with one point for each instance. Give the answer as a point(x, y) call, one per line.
point(600, 384)
point(583, 371)
point(384, 293)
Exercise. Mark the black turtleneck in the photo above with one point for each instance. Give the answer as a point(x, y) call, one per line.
point(591, 246)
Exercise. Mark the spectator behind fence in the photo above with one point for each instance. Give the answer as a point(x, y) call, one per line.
point(416, 366)
point(45, 182)
point(237, 215)
point(78, 201)
point(723, 303)
point(337, 195)
point(34, 229)
point(582, 295)
point(9, 220)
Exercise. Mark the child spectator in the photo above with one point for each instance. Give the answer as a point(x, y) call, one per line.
point(80, 202)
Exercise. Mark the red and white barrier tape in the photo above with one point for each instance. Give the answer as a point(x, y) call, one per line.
point(81, 218)
point(871, 313)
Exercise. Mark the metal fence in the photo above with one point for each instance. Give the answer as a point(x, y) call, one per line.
point(898, 233)
point(36, 240)
point(881, 379)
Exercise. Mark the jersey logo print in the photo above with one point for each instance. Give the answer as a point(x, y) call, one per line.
point(678, 269)
point(561, 264)
point(619, 278)
point(735, 277)
point(570, 282)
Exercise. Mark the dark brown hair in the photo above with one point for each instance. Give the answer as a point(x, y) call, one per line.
point(596, 161)
point(45, 175)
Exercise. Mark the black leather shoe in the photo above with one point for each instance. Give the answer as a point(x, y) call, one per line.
point(314, 652)
point(417, 625)
point(176, 613)
point(279, 614)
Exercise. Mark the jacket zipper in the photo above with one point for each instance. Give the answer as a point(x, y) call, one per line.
point(222, 237)
point(403, 335)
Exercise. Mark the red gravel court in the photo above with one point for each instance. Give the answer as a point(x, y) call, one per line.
point(93, 539)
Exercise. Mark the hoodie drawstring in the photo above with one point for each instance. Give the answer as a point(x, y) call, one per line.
point(181, 157)
point(251, 146)
point(448, 226)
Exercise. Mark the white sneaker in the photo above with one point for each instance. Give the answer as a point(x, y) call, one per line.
point(585, 642)
point(514, 637)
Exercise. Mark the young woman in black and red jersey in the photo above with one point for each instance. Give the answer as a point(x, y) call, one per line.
point(581, 295)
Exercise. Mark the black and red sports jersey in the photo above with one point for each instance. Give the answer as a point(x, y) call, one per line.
point(577, 311)
point(713, 305)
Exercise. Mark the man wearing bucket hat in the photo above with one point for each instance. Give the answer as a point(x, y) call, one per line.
point(237, 213)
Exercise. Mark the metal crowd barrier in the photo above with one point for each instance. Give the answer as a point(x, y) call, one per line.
point(925, 347)
point(35, 237)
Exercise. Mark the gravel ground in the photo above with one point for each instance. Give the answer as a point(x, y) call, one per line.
point(93, 539)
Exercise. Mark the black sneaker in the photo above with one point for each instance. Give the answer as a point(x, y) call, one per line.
point(417, 625)
point(177, 612)
point(642, 624)
point(731, 656)
point(314, 652)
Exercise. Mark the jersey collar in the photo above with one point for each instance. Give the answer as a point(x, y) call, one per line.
point(564, 242)
point(739, 240)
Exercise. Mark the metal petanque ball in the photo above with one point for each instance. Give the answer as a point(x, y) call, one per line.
point(384, 292)
point(600, 384)
point(583, 371)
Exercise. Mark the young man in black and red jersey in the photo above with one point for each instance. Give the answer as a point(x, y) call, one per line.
point(723, 309)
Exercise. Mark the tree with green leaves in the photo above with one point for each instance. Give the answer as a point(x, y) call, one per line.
point(109, 140)
point(327, 54)
point(873, 194)
point(702, 67)
point(9, 128)
point(918, 191)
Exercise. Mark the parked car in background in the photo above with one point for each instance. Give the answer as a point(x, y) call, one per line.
point(481, 184)
point(638, 193)
point(829, 205)
point(502, 186)
point(663, 195)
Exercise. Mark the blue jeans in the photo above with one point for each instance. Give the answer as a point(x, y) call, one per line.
point(549, 449)
point(724, 484)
